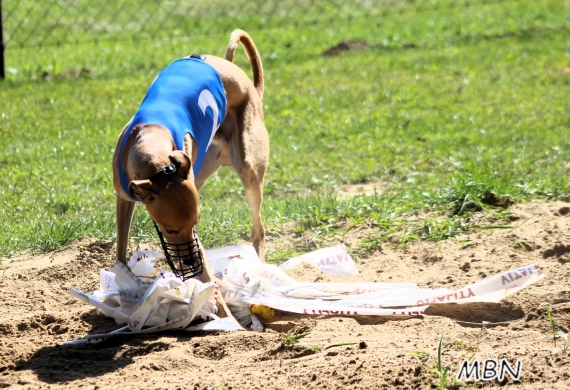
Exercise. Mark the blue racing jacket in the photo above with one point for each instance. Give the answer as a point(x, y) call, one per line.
point(187, 97)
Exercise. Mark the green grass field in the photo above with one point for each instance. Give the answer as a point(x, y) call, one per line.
point(456, 108)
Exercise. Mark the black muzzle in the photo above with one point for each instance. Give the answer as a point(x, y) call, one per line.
point(185, 260)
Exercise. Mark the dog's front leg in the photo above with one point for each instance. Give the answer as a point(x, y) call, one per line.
point(125, 210)
point(206, 277)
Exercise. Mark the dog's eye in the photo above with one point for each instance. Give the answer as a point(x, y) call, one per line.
point(151, 198)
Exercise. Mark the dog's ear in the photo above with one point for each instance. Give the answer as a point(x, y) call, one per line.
point(142, 189)
point(182, 163)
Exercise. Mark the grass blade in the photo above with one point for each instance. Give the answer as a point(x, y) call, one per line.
point(339, 345)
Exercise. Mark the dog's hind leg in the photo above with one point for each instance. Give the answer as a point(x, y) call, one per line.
point(250, 166)
point(125, 210)
point(254, 194)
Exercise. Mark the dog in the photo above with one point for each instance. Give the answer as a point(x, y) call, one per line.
point(200, 113)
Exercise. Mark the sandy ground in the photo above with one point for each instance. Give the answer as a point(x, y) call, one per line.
point(37, 314)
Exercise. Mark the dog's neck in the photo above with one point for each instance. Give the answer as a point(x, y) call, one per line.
point(149, 149)
point(190, 147)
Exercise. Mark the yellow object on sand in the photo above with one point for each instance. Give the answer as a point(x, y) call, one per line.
point(264, 311)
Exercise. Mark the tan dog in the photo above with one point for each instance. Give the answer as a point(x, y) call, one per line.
point(171, 198)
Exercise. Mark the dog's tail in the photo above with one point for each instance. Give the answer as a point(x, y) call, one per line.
point(252, 53)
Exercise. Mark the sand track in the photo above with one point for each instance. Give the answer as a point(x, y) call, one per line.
point(37, 314)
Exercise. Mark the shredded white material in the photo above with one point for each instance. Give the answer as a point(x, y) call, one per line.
point(168, 303)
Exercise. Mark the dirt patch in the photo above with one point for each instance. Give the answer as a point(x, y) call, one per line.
point(345, 46)
point(348, 191)
point(38, 313)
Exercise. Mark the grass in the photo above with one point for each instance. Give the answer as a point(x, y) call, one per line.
point(293, 337)
point(556, 332)
point(451, 110)
point(438, 370)
point(289, 340)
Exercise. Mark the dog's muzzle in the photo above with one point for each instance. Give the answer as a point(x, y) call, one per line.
point(185, 260)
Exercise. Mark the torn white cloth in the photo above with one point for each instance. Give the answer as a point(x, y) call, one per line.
point(168, 303)
point(145, 307)
point(334, 260)
point(252, 282)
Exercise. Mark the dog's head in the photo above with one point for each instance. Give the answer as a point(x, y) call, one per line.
point(171, 199)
